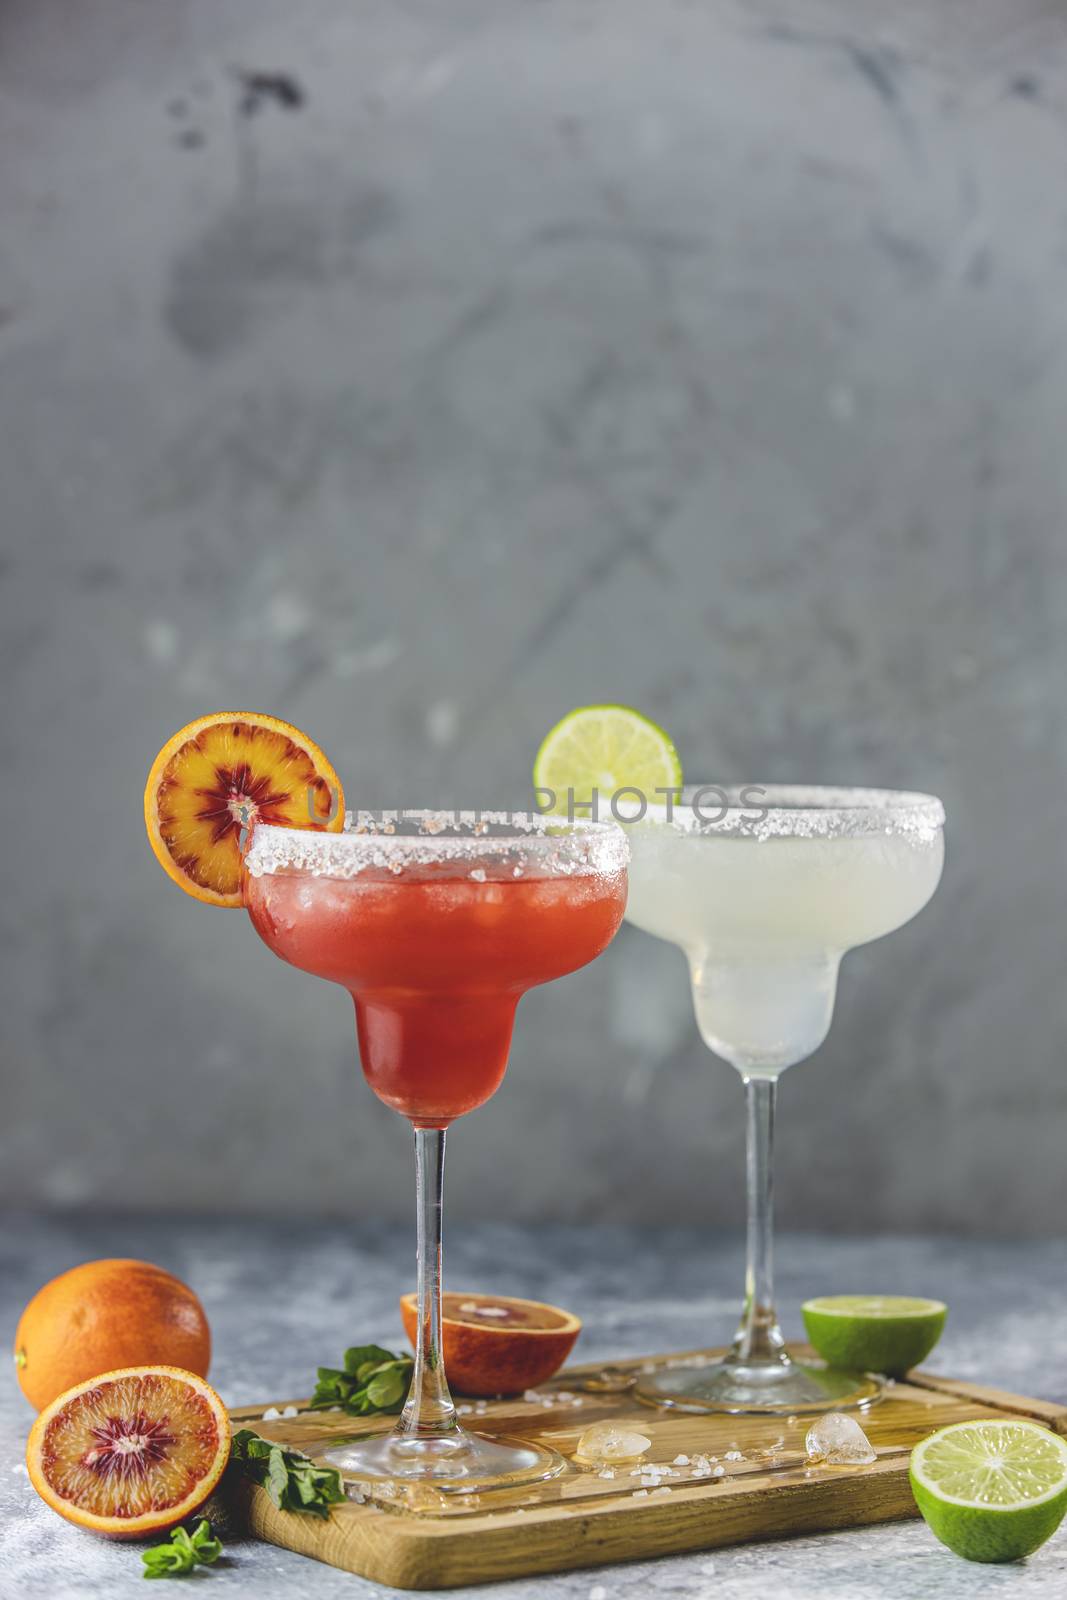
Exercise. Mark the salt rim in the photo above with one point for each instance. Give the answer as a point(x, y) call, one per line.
point(544, 846)
point(800, 811)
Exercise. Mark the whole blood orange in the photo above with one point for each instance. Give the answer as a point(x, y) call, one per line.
point(107, 1314)
point(218, 776)
point(130, 1453)
point(497, 1344)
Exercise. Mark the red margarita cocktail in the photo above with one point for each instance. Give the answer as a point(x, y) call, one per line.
point(436, 965)
point(437, 924)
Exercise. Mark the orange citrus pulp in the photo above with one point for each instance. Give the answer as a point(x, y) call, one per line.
point(498, 1344)
point(215, 779)
point(131, 1452)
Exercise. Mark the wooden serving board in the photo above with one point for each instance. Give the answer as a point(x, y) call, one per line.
point(433, 1541)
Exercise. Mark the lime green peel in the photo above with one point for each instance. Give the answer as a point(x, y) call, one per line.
point(887, 1333)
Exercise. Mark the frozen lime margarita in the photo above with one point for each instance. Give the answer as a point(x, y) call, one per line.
point(764, 889)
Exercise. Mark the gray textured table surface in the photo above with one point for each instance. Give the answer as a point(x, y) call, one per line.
point(282, 1299)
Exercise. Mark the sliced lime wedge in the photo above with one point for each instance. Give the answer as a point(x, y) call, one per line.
point(604, 749)
point(887, 1333)
point(990, 1490)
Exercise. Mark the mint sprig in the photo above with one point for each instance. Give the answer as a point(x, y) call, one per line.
point(372, 1380)
point(291, 1478)
point(183, 1553)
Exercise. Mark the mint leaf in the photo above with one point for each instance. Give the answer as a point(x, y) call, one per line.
point(183, 1552)
point(277, 1476)
point(372, 1380)
point(363, 1355)
point(206, 1548)
point(386, 1389)
point(291, 1479)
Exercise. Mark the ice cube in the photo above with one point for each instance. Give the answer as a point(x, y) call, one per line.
point(606, 1441)
point(839, 1441)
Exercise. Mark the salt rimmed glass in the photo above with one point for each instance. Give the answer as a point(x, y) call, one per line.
point(765, 887)
point(437, 922)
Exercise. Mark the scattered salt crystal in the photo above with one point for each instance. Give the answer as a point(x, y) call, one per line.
point(565, 1394)
point(733, 1455)
point(532, 1397)
point(271, 1414)
point(664, 1489)
point(289, 1411)
point(640, 1494)
point(790, 1419)
point(464, 1411)
point(681, 1461)
point(478, 874)
point(606, 1472)
point(839, 1441)
point(718, 1472)
point(606, 1441)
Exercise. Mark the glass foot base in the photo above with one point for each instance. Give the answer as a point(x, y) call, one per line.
point(459, 1462)
point(775, 1387)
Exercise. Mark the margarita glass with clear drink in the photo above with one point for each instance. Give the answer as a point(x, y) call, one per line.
point(764, 889)
point(437, 923)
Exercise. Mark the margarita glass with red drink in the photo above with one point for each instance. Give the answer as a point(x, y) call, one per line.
point(437, 923)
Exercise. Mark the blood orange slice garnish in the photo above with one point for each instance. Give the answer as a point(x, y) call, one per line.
point(217, 777)
point(132, 1452)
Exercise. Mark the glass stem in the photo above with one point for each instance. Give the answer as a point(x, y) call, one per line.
point(759, 1337)
point(429, 1412)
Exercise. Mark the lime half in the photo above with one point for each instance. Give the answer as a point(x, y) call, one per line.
point(604, 749)
point(874, 1332)
point(991, 1491)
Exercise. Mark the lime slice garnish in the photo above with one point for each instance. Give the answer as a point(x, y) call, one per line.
point(990, 1490)
point(887, 1333)
point(604, 749)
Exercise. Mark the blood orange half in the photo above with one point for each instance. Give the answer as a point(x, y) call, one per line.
point(218, 776)
point(498, 1344)
point(132, 1452)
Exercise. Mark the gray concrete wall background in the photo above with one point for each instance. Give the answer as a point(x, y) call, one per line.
point(708, 357)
